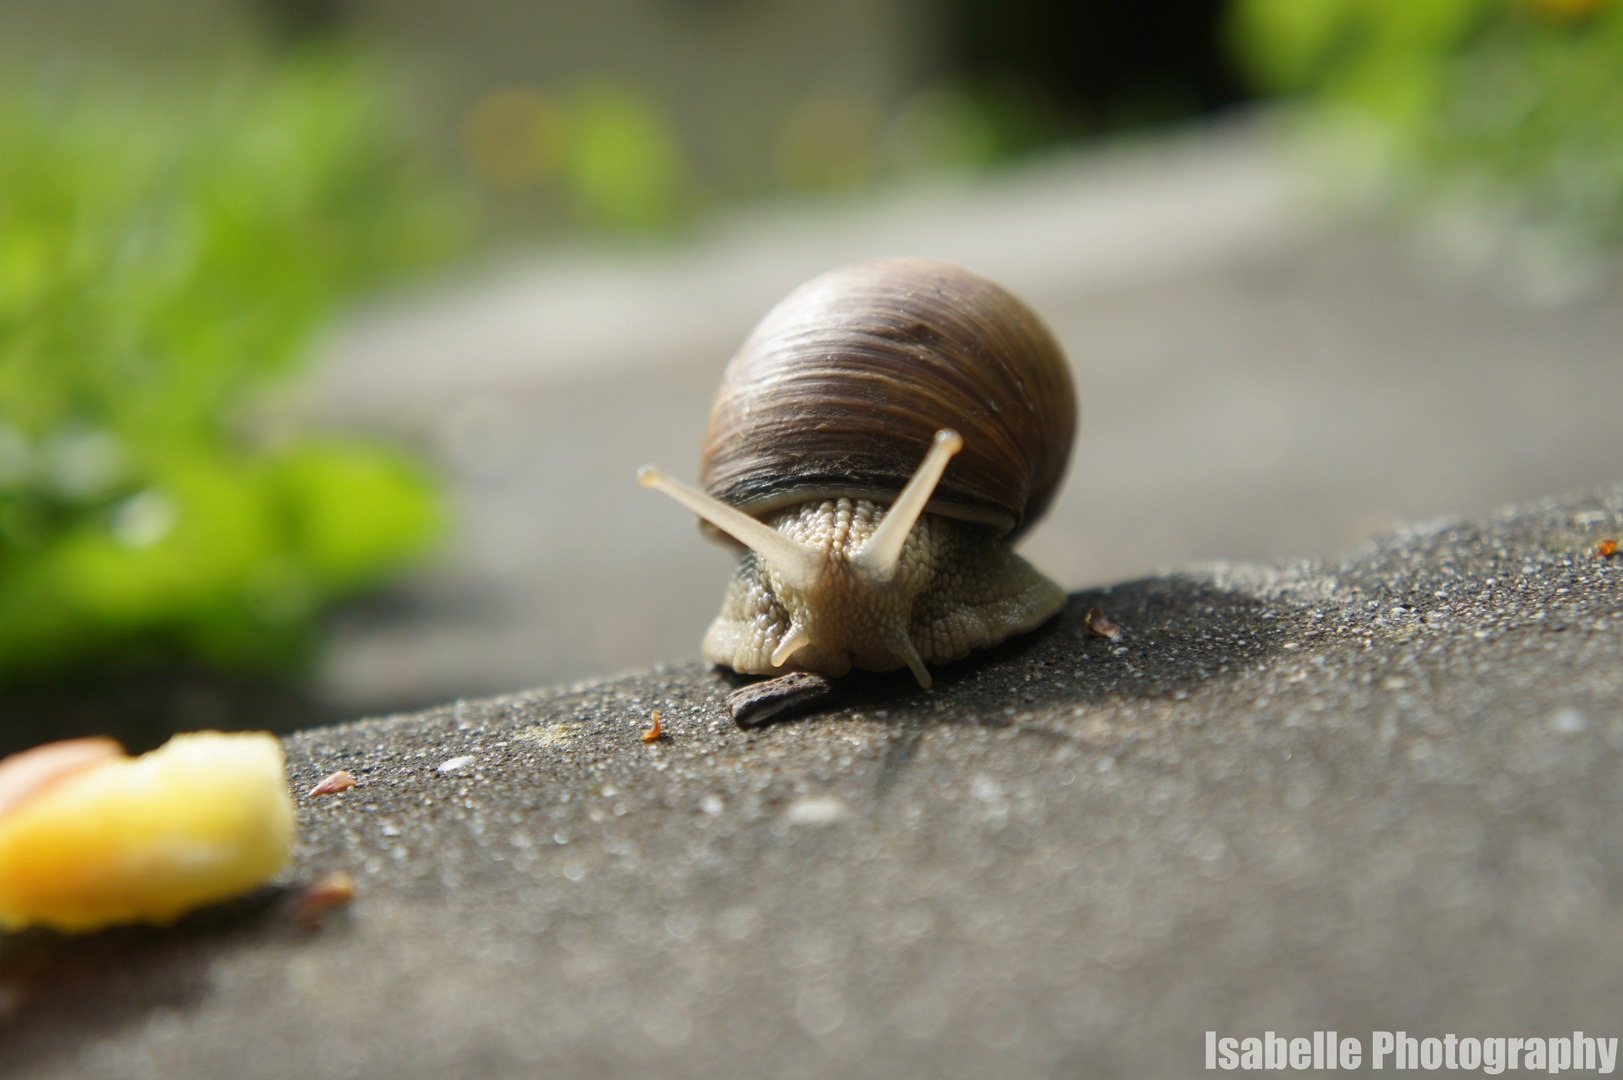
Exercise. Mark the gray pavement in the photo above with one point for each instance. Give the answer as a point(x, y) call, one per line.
point(1262, 377)
point(1370, 793)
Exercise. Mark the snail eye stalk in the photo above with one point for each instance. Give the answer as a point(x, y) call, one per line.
point(798, 564)
point(876, 564)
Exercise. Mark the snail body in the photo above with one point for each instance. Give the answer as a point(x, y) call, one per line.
point(878, 443)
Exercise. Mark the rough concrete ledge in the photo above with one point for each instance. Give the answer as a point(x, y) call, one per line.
point(1376, 793)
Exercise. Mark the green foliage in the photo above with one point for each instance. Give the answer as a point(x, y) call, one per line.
point(605, 157)
point(605, 152)
point(165, 252)
point(1517, 101)
point(628, 172)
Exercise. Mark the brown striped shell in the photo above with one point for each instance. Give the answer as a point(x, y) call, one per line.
point(839, 390)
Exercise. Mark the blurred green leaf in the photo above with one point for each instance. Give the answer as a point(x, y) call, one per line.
point(167, 247)
point(1516, 104)
point(356, 512)
point(627, 169)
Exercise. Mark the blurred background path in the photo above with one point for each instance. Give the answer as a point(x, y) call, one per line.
point(1260, 380)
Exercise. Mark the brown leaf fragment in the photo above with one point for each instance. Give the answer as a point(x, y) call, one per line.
point(759, 702)
point(317, 899)
point(1605, 549)
point(654, 732)
point(332, 785)
point(1100, 626)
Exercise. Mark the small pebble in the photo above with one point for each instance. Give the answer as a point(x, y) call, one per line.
point(456, 764)
point(817, 810)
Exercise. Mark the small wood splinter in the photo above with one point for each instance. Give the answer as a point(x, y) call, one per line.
point(1605, 549)
point(332, 785)
point(654, 732)
point(759, 702)
point(1100, 626)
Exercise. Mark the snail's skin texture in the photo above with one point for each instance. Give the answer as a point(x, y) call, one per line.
point(958, 587)
point(90, 837)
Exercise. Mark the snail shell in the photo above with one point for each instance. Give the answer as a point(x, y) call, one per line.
point(879, 441)
point(839, 390)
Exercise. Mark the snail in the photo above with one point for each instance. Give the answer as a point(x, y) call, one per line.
point(878, 443)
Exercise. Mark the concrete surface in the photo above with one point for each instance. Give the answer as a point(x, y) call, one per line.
point(1261, 379)
point(1376, 792)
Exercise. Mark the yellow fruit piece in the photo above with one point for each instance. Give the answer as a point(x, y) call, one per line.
point(25, 775)
point(204, 817)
